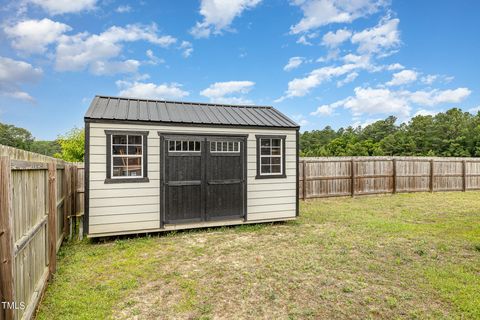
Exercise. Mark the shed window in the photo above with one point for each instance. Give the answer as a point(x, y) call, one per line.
point(184, 146)
point(270, 156)
point(126, 156)
point(224, 146)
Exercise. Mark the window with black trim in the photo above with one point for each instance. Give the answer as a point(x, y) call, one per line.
point(224, 146)
point(271, 156)
point(126, 156)
point(184, 146)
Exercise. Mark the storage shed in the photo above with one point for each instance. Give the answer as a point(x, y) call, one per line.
point(155, 165)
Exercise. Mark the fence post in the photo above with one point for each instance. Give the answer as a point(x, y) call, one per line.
point(394, 175)
point(7, 259)
point(304, 181)
point(464, 173)
point(352, 166)
point(52, 218)
point(432, 175)
point(66, 199)
point(74, 201)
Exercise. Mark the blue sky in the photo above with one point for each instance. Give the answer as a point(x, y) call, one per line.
point(322, 62)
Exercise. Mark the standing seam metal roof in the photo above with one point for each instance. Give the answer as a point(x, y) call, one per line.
point(120, 108)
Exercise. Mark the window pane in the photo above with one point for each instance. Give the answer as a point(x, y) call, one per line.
point(116, 139)
point(265, 160)
point(265, 142)
point(265, 151)
point(134, 162)
point(236, 146)
point(213, 146)
point(135, 172)
point(230, 146)
point(191, 146)
point(134, 150)
point(225, 146)
point(276, 151)
point(119, 161)
point(276, 142)
point(265, 169)
point(171, 145)
point(184, 145)
point(119, 150)
point(178, 145)
point(275, 168)
point(276, 160)
point(119, 171)
point(134, 139)
point(197, 145)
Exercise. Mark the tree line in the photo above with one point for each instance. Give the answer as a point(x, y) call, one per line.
point(69, 147)
point(453, 133)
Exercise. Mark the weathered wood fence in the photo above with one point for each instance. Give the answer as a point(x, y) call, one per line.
point(353, 176)
point(39, 196)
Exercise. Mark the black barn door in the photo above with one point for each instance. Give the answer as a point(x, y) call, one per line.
point(183, 173)
point(203, 178)
point(225, 178)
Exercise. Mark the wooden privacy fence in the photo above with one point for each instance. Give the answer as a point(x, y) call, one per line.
point(352, 176)
point(38, 199)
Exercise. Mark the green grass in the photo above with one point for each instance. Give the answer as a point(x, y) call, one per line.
point(403, 256)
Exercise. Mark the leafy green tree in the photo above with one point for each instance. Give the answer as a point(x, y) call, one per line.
point(453, 133)
point(15, 137)
point(72, 145)
point(48, 148)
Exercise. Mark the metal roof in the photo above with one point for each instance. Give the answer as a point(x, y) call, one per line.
point(131, 109)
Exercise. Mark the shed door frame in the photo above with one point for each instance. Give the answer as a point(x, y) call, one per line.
point(204, 137)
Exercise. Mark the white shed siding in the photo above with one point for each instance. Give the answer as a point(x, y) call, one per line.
point(127, 207)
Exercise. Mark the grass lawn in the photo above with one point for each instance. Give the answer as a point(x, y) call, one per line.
point(402, 256)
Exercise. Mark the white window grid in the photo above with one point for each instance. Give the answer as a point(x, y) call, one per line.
point(184, 146)
point(224, 146)
point(126, 156)
point(279, 156)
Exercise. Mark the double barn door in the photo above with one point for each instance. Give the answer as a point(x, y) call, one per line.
point(203, 178)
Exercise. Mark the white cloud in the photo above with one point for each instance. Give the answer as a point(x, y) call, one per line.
point(299, 87)
point(377, 101)
point(384, 36)
point(474, 110)
point(324, 110)
point(395, 66)
point(293, 63)
point(317, 13)
point(431, 78)
point(54, 7)
point(83, 50)
point(151, 90)
point(33, 36)
point(423, 112)
point(386, 101)
point(435, 97)
point(222, 92)
point(123, 9)
point(300, 119)
point(114, 67)
point(403, 77)
point(349, 78)
point(334, 39)
point(218, 15)
point(13, 73)
point(154, 60)
point(187, 48)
